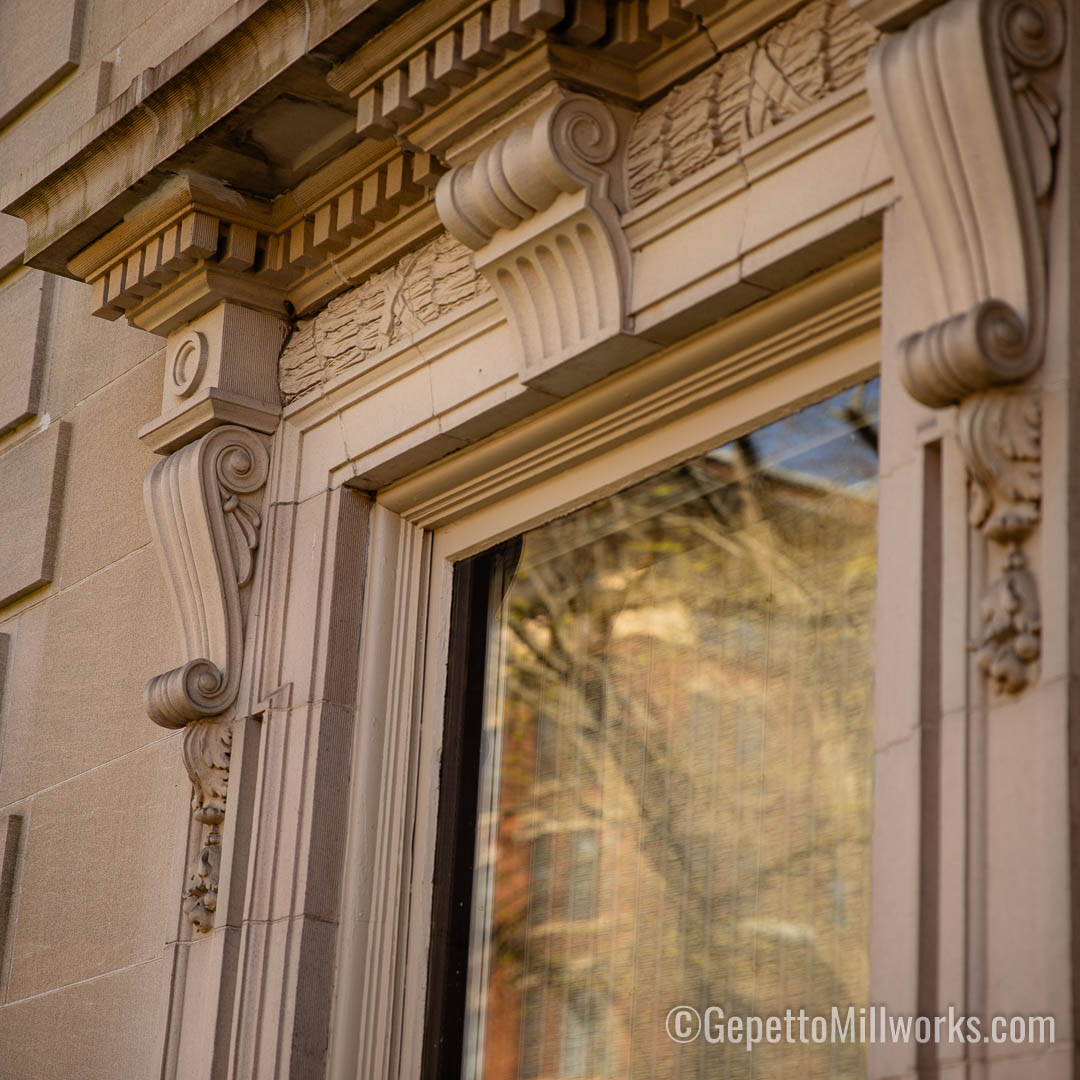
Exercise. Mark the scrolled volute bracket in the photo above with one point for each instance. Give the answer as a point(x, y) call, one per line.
point(204, 505)
point(537, 209)
point(967, 103)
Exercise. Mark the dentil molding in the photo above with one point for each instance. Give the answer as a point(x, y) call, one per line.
point(968, 107)
point(465, 71)
point(197, 243)
point(536, 208)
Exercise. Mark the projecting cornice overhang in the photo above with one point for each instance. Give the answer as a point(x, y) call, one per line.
point(328, 120)
point(245, 101)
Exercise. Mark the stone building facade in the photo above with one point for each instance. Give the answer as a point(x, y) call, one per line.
point(373, 367)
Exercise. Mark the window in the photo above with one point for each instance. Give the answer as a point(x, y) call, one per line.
point(656, 782)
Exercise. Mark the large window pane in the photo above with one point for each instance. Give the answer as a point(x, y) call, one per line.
point(674, 798)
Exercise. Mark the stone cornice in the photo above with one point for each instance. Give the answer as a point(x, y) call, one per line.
point(436, 77)
point(226, 105)
point(468, 67)
point(199, 242)
point(251, 53)
point(282, 204)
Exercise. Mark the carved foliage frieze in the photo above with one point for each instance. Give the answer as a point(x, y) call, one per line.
point(821, 49)
point(356, 326)
point(207, 746)
point(968, 106)
point(536, 209)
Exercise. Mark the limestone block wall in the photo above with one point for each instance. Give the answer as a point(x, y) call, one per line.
point(93, 797)
point(62, 61)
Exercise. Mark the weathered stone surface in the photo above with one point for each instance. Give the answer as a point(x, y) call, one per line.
point(47, 39)
point(103, 516)
point(389, 306)
point(86, 354)
point(23, 307)
point(31, 490)
point(820, 49)
point(12, 841)
point(146, 32)
point(5, 655)
point(49, 122)
point(12, 241)
point(75, 698)
point(113, 832)
point(98, 1030)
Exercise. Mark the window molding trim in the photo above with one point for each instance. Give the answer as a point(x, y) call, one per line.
point(377, 913)
point(824, 314)
point(377, 1030)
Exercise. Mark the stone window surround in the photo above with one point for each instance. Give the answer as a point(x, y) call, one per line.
point(298, 662)
point(806, 342)
point(419, 531)
point(258, 899)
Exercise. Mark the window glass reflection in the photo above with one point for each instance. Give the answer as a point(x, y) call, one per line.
point(675, 799)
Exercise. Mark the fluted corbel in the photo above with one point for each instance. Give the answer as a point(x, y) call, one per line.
point(536, 207)
point(968, 108)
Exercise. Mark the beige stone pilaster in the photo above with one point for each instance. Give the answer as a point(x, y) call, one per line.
point(192, 263)
point(972, 845)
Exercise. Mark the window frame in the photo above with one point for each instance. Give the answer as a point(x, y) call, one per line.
point(799, 348)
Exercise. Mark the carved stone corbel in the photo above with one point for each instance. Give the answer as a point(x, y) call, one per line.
point(967, 104)
point(536, 208)
point(205, 512)
point(205, 507)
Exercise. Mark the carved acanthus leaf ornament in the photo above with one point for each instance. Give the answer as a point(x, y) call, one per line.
point(999, 432)
point(204, 504)
point(968, 107)
point(207, 746)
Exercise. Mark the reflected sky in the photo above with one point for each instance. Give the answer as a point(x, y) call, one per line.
point(823, 440)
